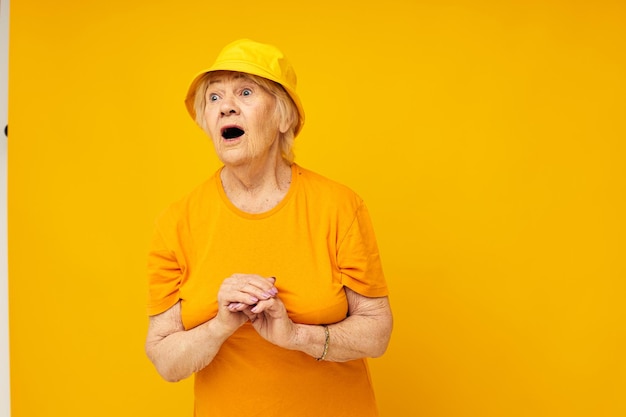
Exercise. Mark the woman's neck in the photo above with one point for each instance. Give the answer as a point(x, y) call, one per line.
point(256, 189)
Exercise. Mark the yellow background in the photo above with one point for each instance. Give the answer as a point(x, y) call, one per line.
point(487, 138)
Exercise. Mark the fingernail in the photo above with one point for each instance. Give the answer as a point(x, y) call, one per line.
point(273, 279)
point(254, 309)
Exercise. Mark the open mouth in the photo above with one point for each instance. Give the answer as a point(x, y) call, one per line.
point(232, 132)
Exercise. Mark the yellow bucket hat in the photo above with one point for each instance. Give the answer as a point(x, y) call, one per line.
point(255, 58)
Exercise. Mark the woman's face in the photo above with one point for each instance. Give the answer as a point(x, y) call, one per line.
point(241, 119)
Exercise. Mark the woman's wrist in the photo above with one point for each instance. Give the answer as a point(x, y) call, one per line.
point(326, 343)
point(312, 339)
point(218, 331)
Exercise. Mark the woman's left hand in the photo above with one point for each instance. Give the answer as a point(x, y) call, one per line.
point(270, 319)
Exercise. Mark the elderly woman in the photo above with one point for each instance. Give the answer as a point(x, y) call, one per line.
point(265, 281)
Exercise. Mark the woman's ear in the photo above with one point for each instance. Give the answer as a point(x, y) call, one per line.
point(285, 124)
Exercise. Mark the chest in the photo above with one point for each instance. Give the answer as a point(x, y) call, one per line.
point(301, 255)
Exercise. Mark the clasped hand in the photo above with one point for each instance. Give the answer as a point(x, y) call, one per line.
point(244, 297)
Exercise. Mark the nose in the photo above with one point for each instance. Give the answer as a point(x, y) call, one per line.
point(229, 106)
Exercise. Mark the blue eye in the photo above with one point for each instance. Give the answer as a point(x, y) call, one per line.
point(213, 97)
point(246, 92)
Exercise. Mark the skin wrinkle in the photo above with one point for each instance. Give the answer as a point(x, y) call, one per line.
point(366, 316)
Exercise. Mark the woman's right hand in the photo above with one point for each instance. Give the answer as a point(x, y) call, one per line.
point(238, 293)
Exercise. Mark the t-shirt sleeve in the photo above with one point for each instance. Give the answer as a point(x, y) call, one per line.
point(164, 276)
point(358, 257)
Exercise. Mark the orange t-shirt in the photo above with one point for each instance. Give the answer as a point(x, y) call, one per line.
point(317, 240)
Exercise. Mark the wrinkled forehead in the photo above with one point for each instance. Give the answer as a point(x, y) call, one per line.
point(224, 76)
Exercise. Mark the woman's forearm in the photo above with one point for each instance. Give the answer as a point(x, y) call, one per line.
point(353, 338)
point(180, 354)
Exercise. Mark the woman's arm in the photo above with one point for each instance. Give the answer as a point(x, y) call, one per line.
point(365, 332)
point(177, 353)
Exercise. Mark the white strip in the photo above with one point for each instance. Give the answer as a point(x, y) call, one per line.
point(5, 391)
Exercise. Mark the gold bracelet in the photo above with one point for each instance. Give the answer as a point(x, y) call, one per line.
point(326, 343)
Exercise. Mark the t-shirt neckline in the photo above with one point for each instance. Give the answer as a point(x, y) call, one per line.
point(265, 214)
